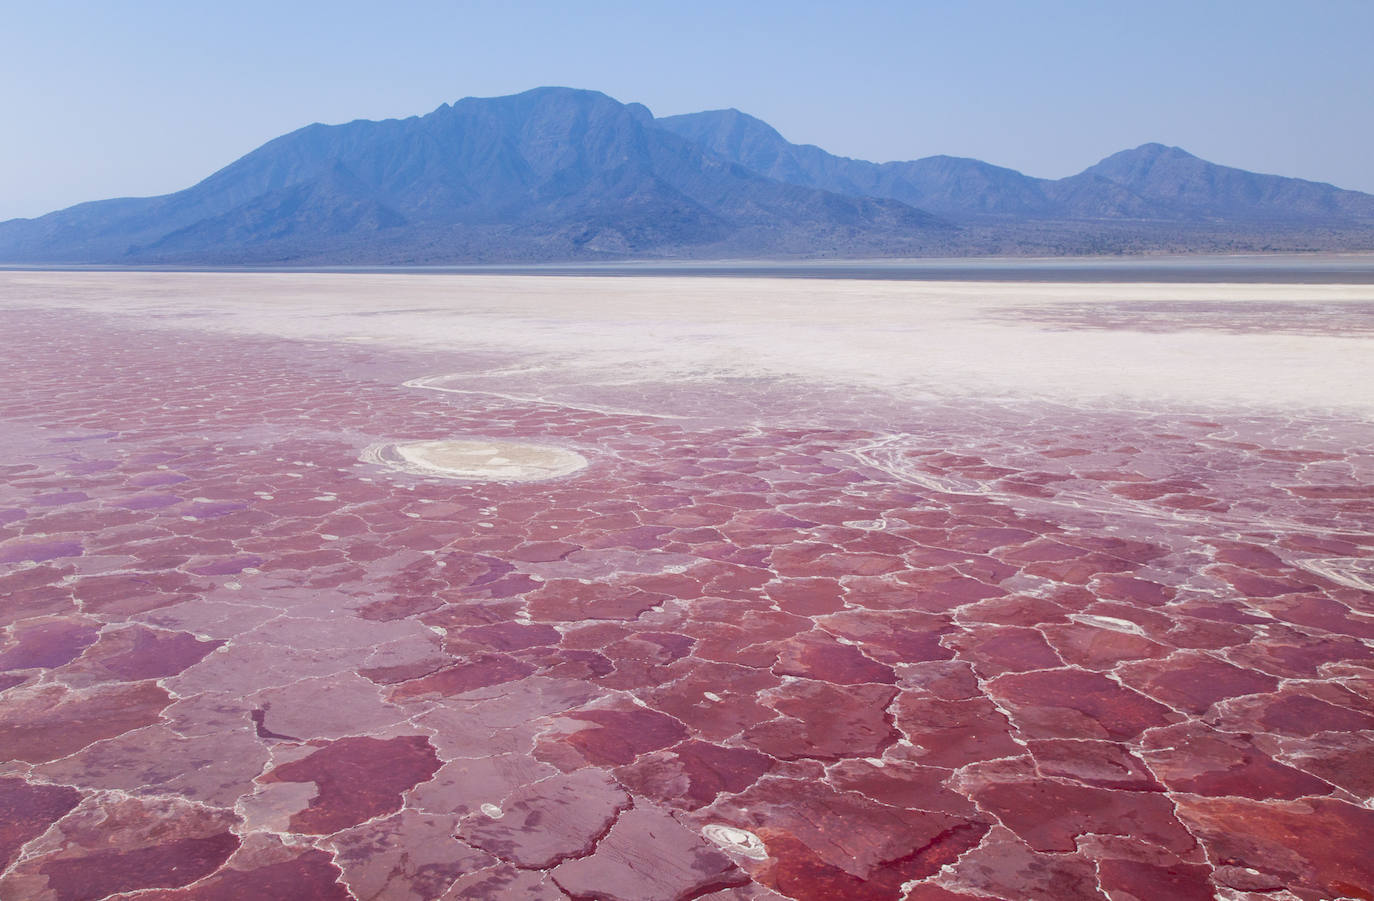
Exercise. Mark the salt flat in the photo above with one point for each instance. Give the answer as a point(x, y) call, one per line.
point(866, 590)
point(1048, 341)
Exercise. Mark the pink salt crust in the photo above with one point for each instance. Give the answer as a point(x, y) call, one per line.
point(923, 650)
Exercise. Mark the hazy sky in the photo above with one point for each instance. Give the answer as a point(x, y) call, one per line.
point(105, 99)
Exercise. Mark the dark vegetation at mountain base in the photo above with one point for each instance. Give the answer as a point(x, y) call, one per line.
point(556, 174)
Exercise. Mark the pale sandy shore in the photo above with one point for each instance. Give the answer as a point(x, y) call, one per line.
point(1301, 347)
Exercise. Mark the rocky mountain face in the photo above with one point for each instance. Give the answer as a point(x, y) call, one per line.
point(563, 174)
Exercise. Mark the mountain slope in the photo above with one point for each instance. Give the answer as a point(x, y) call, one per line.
point(942, 184)
point(1149, 182)
point(1172, 177)
point(553, 173)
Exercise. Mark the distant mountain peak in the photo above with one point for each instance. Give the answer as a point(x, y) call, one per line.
point(1156, 148)
point(729, 125)
point(1153, 151)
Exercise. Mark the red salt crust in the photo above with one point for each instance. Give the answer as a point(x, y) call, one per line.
point(927, 892)
point(1014, 610)
point(478, 672)
point(512, 636)
point(901, 784)
point(1297, 656)
point(618, 735)
point(1248, 556)
point(807, 597)
point(1296, 714)
point(1194, 758)
point(1049, 815)
point(995, 650)
point(174, 862)
point(1132, 880)
point(1101, 649)
point(731, 644)
point(542, 551)
point(227, 567)
point(47, 722)
point(788, 633)
point(737, 687)
point(1071, 703)
point(76, 521)
point(1003, 867)
point(1322, 613)
point(149, 501)
point(1194, 682)
point(125, 595)
point(895, 637)
point(646, 856)
point(675, 585)
point(827, 844)
point(950, 680)
point(357, 779)
point(312, 876)
point(38, 551)
point(826, 722)
point(27, 810)
point(569, 664)
point(501, 881)
point(1346, 761)
point(936, 591)
point(821, 657)
point(408, 854)
point(548, 822)
point(125, 844)
point(1310, 846)
point(400, 607)
point(1254, 586)
point(154, 479)
point(1080, 571)
point(652, 647)
point(1096, 763)
point(953, 733)
point(564, 600)
point(692, 773)
point(136, 653)
point(47, 644)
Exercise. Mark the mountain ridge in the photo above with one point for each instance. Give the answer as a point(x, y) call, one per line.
point(563, 174)
point(1132, 183)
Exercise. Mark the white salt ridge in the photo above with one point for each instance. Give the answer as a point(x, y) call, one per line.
point(1107, 622)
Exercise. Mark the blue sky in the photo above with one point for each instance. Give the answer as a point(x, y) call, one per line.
point(118, 99)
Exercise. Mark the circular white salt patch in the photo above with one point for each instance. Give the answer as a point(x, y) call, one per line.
point(493, 811)
point(736, 841)
point(477, 460)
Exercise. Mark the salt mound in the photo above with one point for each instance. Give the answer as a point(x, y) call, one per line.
point(497, 461)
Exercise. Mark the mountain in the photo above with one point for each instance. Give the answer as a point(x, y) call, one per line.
point(942, 183)
point(552, 173)
point(1149, 182)
point(1176, 180)
point(563, 174)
